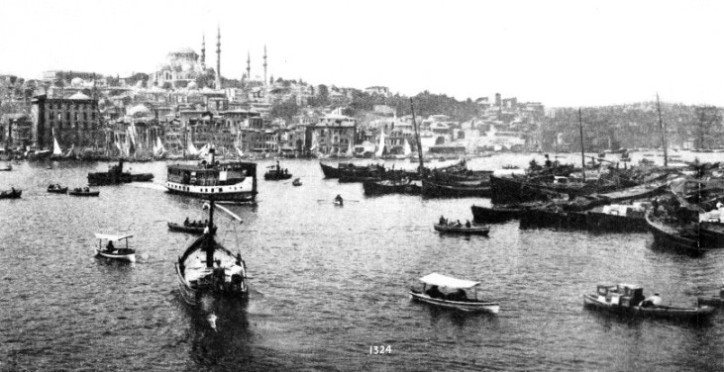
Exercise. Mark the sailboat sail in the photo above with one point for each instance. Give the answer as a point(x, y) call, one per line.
point(406, 150)
point(381, 147)
point(56, 147)
point(350, 149)
point(192, 149)
point(69, 153)
point(238, 151)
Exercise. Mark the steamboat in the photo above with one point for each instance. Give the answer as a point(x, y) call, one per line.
point(227, 182)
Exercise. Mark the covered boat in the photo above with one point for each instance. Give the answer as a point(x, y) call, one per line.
point(191, 229)
point(208, 269)
point(452, 228)
point(276, 173)
point(118, 251)
point(455, 294)
point(628, 300)
point(115, 176)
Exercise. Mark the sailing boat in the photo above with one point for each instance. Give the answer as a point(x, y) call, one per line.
point(57, 151)
point(381, 146)
point(208, 270)
point(69, 154)
point(191, 151)
point(158, 150)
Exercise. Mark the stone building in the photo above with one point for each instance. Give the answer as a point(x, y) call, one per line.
point(74, 120)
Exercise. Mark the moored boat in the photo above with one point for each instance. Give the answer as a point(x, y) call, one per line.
point(673, 236)
point(276, 173)
point(110, 251)
point(382, 187)
point(115, 176)
point(496, 213)
point(628, 300)
point(465, 296)
point(435, 190)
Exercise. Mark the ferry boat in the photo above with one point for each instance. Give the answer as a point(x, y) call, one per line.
point(227, 181)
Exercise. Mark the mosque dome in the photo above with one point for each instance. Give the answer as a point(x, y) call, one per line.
point(139, 111)
point(76, 82)
point(192, 85)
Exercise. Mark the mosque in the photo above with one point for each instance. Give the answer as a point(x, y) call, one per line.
point(183, 67)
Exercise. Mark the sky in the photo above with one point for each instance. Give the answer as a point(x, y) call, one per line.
point(560, 53)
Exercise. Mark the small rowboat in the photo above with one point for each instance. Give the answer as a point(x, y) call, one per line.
point(464, 298)
point(624, 299)
point(11, 194)
point(57, 189)
point(196, 230)
point(297, 182)
point(77, 192)
point(110, 251)
point(455, 229)
point(716, 301)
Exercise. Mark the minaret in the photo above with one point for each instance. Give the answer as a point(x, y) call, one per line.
point(265, 81)
point(248, 65)
point(218, 58)
point(203, 52)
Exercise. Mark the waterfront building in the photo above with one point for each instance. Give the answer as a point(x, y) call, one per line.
point(16, 131)
point(332, 135)
point(75, 121)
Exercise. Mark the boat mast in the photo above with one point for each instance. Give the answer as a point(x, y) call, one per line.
point(662, 126)
point(210, 244)
point(583, 155)
point(417, 137)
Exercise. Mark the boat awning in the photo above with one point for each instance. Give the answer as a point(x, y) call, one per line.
point(112, 237)
point(446, 281)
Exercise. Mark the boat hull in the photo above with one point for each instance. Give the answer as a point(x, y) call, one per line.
point(493, 214)
point(434, 190)
point(130, 257)
point(187, 229)
point(194, 297)
point(668, 238)
point(468, 306)
point(63, 190)
point(665, 312)
point(462, 230)
point(83, 193)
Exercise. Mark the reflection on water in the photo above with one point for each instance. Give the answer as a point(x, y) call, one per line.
point(326, 284)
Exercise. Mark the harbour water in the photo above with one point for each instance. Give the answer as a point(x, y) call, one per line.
point(328, 284)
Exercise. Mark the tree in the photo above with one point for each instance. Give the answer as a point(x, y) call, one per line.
point(708, 125)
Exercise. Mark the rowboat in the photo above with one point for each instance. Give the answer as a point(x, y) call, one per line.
point(456, 294)
point(627, 299)
point(297, 182)
point(436, 190)
point(110, 251)
point(11, 194)
point(80, 192)
point(715, 301)
point(196, 230)
point(462, 229)
point(276, 175)
point(57, 189)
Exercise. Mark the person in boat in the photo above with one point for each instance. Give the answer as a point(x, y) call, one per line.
point(434, 292)
point(459, 295)
point(548, 162)
point(109, 246)
point(458, 224)
point(651, 301)
point(278, 167)
point(443, 221)
point(186, 222)
point(86, 189)
point(339, 199)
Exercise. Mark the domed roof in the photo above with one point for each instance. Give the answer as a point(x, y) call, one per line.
point(76, 82)
point(79, 95)
point(139, 110)
point(192, 85)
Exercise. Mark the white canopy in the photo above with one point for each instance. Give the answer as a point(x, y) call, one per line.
point(112, 237)
point(446, 281)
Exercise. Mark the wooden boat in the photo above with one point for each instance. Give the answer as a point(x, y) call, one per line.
point(110, 251)
point(13, 193)
point(384, 187)
point(462, 229)
point(434, 190)
point(510, 190)
point(715, 301)
point(671, 236)
point(208, 269)
point(618, 218)
point(7, 168)
point(297, 182)
point(196, 230)
point(552, 216)
point(625, 299)
point(81, 192)
point(496, 213)
point(711, 234)
point(57, 189)
point(356, 179)
point(465, 297)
